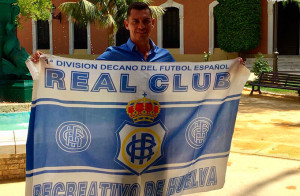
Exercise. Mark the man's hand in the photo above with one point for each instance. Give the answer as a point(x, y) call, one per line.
point(36, 56)
point(241, 60)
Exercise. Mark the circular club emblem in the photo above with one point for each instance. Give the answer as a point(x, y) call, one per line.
point(141, 147)
point(72, 136)
point(196, 132)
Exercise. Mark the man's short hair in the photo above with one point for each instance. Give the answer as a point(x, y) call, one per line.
point(138, 6)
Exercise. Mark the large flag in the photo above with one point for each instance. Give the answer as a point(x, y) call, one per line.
point(130, 128)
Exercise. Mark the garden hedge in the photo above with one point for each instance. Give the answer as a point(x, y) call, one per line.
point(238, 24)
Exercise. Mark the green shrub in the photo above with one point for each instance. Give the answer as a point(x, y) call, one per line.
point(238, 24)
point(261, 65)
point(207, 56)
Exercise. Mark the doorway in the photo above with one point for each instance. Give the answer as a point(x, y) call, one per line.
point(288, 29)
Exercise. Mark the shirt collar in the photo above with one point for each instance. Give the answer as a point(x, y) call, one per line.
point(132, 46)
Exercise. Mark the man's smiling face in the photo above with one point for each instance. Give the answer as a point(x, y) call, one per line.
point(140, 24)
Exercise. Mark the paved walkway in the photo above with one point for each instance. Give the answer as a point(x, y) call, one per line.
point(268, 125)
point(265, 152)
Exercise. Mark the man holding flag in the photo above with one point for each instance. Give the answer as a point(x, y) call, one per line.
point(139, 46)
point(131, 127)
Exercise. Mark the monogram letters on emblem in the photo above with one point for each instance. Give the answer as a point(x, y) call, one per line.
point(140, 144)
point(197, 131)
point(73, 136)
point(141, 149)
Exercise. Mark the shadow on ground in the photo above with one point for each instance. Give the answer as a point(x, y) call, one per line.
point(268, 102)
point(269, 125)
point(255, 188)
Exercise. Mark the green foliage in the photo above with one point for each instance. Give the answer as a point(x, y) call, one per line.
point(291, 1)
point(35, 9)
point(207, 56)
point(105, 12)
point(274, 90)
point(261, 65)
point(239, 24)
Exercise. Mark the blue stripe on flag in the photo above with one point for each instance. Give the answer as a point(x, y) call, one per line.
point(104, 143)
point(185, 166)
point(125, 103)
point(122, 173)
point(77, 170)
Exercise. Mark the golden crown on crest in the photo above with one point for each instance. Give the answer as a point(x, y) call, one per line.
point(143, 109)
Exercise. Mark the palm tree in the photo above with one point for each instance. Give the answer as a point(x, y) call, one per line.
point(107, 13)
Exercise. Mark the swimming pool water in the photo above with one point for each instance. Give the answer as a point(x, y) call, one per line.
point(14, 121)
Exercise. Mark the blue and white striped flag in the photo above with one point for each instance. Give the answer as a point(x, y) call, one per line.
point(130, 128)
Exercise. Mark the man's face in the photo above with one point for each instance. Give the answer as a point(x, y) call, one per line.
point(140, 24)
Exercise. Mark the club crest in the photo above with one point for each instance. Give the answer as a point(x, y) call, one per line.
point(197, 131)
point(140, 143)
point(73, 136)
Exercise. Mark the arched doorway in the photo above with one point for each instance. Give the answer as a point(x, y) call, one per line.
point(43, 41)
point(288, 29)
point(171, 33)
point(160, 26)
point(80, 37)
point(122, 36)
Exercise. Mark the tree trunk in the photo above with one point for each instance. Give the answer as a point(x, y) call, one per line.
point(111, 36)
